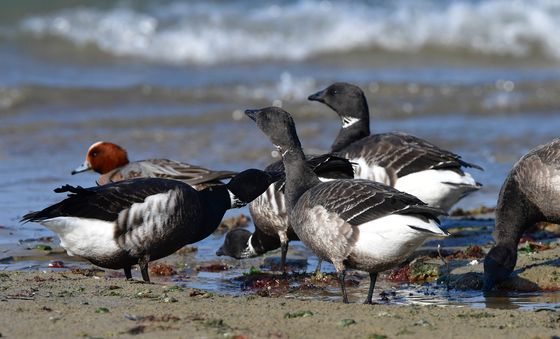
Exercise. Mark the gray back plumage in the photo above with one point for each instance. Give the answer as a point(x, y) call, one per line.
point(402, 154)
point(534, 181)
point(360, 201)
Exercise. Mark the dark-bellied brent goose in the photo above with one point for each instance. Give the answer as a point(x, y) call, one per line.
point(408, 163)
point(272, 229)
point(136, 221)
point(358, 224)
point(111, 161)
point(530, 194)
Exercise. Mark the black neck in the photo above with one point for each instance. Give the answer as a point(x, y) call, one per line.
point(348, 135)
point(263, 243)
point(215, 202)
point(299, 177)
point(514, 215)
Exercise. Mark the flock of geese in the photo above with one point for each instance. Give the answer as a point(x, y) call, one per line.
point(366, 205)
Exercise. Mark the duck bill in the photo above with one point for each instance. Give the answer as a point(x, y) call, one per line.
point(82, 168)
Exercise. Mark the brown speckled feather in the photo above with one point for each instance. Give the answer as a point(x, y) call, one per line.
point(195, 176)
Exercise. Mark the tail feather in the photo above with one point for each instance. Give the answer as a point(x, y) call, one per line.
point(31, 216)
point(426, 210)
point(47, 213)
point(72, 189)
point(439, 232)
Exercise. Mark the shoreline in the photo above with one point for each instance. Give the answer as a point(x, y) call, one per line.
point(67, 304)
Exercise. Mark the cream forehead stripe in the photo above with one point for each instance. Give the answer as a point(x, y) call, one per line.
point(94, 145)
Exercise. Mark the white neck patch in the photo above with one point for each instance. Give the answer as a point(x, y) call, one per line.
point(349, 121)
point(235, 201)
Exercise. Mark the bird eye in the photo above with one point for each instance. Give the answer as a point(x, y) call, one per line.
point(94, 154)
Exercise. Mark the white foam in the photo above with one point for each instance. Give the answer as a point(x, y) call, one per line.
point(200, 32)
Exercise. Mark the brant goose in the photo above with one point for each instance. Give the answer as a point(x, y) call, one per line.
point(353, 223)
point(409, 164)
point(111, 161)
point(272, 229)
point(139, 220)
point(530, 194)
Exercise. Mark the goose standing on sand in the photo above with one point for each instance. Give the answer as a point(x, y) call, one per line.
point(530, 194)
point(408, 163)
point(131, 222)
point(111, 161)
point(272, 229)
point(357, 224)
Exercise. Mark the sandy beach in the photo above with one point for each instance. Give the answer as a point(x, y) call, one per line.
point(67, 305)
point(92, 303)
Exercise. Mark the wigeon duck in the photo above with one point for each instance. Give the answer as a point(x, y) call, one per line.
point(111, 161)
point(268, 211)
point(408, 163)
point(352, 223)
point(530, 194)
point(136, 221)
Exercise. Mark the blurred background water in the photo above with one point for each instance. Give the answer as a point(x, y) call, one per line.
point(171, 78)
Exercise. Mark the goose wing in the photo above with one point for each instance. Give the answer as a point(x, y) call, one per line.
point(105, 202)
point(360, 201)
point(403, 154)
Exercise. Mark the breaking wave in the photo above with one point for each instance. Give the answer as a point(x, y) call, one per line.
point(214, 32)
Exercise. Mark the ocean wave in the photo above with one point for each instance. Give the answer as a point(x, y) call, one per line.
point(219, 32)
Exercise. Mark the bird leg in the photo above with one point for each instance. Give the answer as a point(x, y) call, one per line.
point(284, 251)
point(143, 263)
point(318, 268)
point(127, 273)
point(372, 279)
point(341, 276)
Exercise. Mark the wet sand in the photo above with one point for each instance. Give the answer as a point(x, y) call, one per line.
point(61, 305)
point(96, 304)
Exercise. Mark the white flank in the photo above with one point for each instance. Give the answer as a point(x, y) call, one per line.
point(390, 238)
point(84, 237)
point(269, 199)
point(431, 186)
point(154, 215)
point(363, 170)
point(249, 251)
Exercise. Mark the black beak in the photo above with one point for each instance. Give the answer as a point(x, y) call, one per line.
point(319, 96)
point(252, 113)
point(220, 252)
